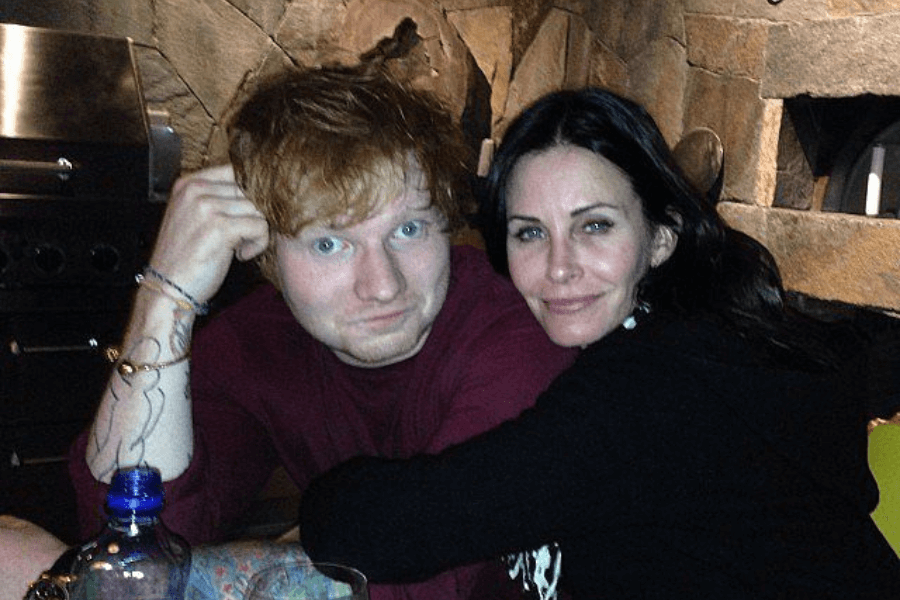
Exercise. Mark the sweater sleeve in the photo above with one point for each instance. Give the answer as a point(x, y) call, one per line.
point(231, 462)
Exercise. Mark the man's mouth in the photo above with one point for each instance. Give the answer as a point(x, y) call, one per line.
point(385, 319)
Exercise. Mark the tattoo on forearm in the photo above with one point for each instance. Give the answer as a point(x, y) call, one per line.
point(144, 387)
point(180, 340)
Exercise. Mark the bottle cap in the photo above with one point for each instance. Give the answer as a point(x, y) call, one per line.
point(137, 489)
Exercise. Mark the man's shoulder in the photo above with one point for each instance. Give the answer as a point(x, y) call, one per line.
point(257, 312)
point(262, 299)
point(474, 281)
point(484, 309)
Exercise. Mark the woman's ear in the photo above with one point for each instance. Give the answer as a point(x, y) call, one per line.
point(664, 242)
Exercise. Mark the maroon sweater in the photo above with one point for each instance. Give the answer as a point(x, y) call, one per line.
point(265, 394)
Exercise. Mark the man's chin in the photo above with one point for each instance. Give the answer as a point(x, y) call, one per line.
point(383, 353)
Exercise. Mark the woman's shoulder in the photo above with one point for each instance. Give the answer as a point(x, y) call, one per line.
point(701, 339)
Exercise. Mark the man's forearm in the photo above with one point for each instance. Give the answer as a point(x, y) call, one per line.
point(145, 414)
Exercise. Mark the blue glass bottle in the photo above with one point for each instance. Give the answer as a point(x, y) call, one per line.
point(135, 557)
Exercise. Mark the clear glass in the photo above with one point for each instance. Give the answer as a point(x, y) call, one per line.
point(304, 580)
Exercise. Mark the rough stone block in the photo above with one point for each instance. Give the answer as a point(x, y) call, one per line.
point(608, 21)
point(542, 68)
point(212, 47)
point(849, 8)
point(751, 137)
point(705, 101)
point(576, 7)
point(308, 32)
point(846, 258)
point(795, 183)
point(727, 46)
point(790, 10)
point(443, 58)
point(629, 27)
point(473, 4)
point(657, 79)
point(265, 13)
point(748, 127)
point(164, 90)
point(528, 15)
point(124, 18)
point(608, 70)
point(578, 53)
point(841, 57)
point(710, 7)
point(488, 34)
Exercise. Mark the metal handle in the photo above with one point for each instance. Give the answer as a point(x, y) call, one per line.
point(15, 461)
point(18, 349)
point(63, 167)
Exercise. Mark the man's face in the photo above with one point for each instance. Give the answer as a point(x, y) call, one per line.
point(371, 291)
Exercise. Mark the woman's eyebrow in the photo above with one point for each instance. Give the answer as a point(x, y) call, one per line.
point(590, 207)
point(574, 213)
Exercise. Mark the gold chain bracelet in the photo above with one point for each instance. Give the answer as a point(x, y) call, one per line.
point(125, 367)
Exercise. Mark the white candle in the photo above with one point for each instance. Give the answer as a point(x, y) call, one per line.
point(873, 189)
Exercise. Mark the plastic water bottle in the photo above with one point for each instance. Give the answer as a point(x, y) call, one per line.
point(135, 557)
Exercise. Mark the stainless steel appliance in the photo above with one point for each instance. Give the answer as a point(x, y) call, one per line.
point(83, 167)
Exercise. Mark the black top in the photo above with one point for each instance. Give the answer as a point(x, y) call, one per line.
point(674, 460)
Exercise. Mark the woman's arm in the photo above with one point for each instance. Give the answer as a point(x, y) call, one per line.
point(513, 487)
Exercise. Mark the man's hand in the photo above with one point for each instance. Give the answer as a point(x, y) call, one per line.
point(208, 221)
point(145, 415)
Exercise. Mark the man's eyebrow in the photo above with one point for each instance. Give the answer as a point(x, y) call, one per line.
point(522, 218)
point(427, 207)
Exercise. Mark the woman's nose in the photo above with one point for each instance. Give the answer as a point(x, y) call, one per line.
point(378, 276)
point(562, 263)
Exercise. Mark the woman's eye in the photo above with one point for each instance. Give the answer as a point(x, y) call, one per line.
point(326, 246)
point(526, 234)
point(598, 226)
point(410, 230)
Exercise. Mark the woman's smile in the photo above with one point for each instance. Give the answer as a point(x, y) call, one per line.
point(568, 306)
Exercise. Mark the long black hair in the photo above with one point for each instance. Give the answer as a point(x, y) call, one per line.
point(714, 269)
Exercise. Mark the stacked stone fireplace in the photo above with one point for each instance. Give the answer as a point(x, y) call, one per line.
point(792, 88)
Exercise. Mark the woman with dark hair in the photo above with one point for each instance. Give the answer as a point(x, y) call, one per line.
point(706, 444)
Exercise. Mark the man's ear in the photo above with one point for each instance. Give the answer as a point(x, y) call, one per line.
point(664, 242)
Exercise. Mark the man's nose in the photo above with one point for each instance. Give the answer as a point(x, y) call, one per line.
point(562, 263)
point(378, 276)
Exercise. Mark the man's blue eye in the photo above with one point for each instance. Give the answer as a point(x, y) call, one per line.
point(411, 229)
point(327, 246)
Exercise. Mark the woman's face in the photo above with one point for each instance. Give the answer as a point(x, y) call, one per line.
point(578, 242)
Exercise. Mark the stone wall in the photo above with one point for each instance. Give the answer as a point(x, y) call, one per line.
point(729, 65)
point(726, 65)
point(197, 58)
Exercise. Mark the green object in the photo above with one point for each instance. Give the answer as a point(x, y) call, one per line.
point(884, 461)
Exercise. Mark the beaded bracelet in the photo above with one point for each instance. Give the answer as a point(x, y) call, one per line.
point(199, 308)
point(125, 367)
point(152, 284)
